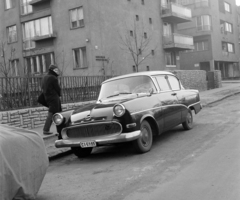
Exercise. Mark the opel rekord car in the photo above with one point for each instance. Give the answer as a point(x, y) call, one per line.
point(131, 107)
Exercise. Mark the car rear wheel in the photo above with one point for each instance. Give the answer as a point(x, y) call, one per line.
point(81, 152)
point(144, 143)
point(188, 124)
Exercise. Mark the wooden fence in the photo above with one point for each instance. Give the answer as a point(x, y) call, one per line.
point(22, 92)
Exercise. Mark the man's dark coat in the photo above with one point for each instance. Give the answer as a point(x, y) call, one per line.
point(52, 92)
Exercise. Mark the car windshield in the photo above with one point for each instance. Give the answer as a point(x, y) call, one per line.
point(124, 86)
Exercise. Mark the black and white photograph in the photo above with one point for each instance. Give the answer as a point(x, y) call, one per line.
point(119, 99)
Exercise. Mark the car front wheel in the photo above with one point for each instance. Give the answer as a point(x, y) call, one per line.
point(81, 152)
point(144, 143)
point(188, 123)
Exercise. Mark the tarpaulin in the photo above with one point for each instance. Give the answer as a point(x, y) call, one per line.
point(23, 163)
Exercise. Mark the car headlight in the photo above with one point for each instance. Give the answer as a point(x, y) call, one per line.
point(119, 110)
point(57, 119)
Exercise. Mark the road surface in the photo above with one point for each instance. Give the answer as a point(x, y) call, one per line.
point(200, 164)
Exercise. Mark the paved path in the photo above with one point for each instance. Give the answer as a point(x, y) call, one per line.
point(228, 88)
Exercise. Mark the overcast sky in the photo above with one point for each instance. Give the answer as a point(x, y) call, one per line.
point(238, 2)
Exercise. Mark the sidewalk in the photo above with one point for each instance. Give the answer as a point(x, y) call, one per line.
point(228, 88)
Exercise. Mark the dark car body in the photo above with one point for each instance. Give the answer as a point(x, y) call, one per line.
point(130, 107)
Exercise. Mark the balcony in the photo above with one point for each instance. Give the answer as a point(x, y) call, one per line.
point(36, 2)
point(45, 37)
point(175, 13)
point(204, 28)
point(178, 42)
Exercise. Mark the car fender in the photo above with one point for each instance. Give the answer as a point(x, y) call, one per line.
point(152, 121)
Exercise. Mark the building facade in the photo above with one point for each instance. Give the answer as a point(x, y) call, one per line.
point(215, 32)
point(92, 37)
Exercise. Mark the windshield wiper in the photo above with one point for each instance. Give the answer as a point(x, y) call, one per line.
point(114, 95)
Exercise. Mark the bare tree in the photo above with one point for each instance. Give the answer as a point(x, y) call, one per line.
point(137, 43)
point(61, 62)
point(6, 57)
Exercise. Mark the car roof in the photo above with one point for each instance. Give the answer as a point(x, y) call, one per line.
point(146, 73)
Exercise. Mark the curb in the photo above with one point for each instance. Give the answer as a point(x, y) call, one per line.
point(220, 99)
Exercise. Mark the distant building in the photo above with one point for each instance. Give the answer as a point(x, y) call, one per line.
point(215, 31)
point(83, 37)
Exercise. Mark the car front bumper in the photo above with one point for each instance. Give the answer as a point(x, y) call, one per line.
point(123, 137)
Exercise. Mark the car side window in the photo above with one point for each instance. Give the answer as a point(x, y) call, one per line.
point(162, 82)
point(174, 83)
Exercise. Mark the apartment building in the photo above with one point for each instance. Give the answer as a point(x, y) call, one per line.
point(215, 32)
point(174, 14)
point(91, 37)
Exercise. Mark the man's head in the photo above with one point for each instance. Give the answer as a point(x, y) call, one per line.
point(54, 69)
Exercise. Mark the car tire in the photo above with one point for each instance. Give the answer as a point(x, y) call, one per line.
point(81, 152)
point(144, 143)
point(188, 123)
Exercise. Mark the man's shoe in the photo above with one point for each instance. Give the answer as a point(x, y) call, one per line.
point(47, 133)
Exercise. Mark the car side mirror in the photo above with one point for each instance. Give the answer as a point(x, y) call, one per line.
point(150, 91)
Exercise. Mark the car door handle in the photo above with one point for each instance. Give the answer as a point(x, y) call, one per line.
point(174, 94)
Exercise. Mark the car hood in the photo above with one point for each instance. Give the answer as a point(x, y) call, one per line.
point(100, 111)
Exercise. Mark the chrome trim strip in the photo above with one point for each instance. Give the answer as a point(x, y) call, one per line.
point(194, 104)
point(164, 107)
point(124, 137)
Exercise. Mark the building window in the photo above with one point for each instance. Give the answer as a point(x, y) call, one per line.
point(134, 68)
point(8, 4)
point(150, 20)
point(170, 58)
point(203, 23)
point(80, 58)
point(76, 17)
point(143, 2)
point(12, 34)
point(227, 7)
point(145, 35)
point(131, 33)
point(201, 3)
point(201, 45)
point(26, 7)
point(227, 47)
point(167, 29)
point(139, 51)
point(14, 67)
point(137, 18)
point(228, 27)
point(39, 27)
point(185, 2)
point(39, 64)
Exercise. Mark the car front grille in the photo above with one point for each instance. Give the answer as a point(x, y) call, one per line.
point(94, 130)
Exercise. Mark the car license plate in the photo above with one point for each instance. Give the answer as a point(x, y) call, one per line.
point(88, 144)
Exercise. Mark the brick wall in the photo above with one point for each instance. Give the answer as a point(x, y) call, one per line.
point(192, 79)
point(32, 117)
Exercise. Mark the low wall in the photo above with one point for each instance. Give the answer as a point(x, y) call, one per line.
point(192, 79)
point(214, 79)
point(32, 117)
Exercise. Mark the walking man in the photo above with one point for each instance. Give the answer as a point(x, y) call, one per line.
point(52, 92)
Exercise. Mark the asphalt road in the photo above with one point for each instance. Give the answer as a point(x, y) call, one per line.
point(203, 163)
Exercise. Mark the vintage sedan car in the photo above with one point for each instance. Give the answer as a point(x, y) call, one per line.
point(131, 107)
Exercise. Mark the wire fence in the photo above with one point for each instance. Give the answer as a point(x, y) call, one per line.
point(22, 92)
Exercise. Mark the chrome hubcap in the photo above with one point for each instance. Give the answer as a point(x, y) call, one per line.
point(145, 136)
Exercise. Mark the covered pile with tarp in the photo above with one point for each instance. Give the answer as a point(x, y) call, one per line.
point(23, 163)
